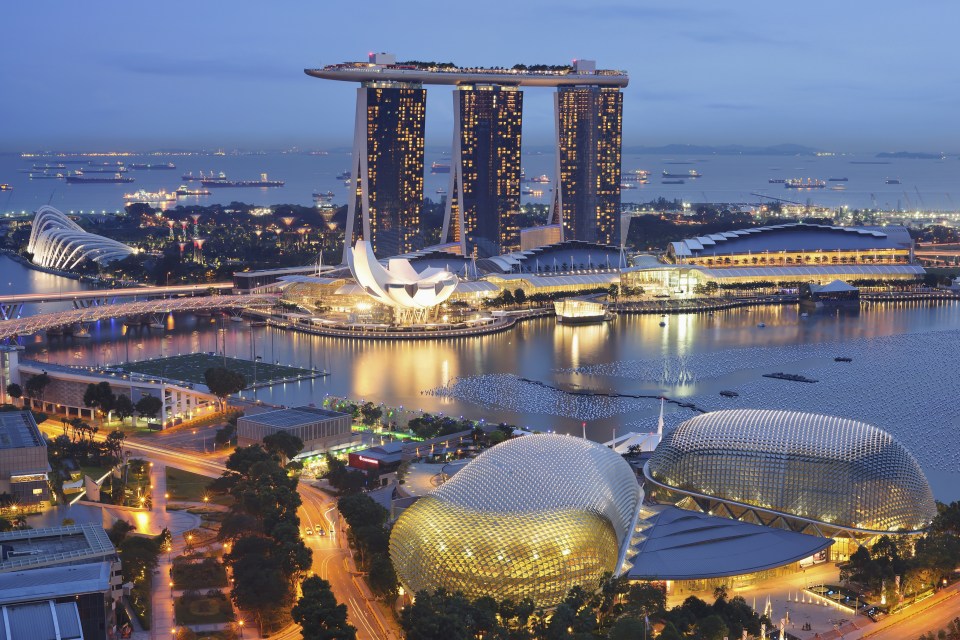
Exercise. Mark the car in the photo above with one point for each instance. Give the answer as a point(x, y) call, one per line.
point(321, 532)
point(309, 531)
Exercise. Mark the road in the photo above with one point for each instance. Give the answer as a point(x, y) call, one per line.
point(931, 615)
point(331, 556)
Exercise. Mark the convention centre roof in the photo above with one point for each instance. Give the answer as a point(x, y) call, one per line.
point(793, 237)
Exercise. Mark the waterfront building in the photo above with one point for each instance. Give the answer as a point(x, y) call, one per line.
point(484, 203)
point(529, 518)
point(59, 582)
point(321, 430)
point(795, 244)
point(58, 242)
point(412, 295)
point(387, 169)
point(589, 139)
point(814, 474)
point(481, 218)
point(23, 462)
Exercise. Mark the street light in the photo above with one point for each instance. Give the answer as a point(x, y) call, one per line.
point(241, 627)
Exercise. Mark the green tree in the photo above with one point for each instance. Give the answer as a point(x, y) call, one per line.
point(712, 628)
point(114, 443)
point(14, 391)
point(124, 407)
point(284, 444)
point(520, 296)
point(100, 396)
point(382, 577)
point(259, 583)
point(148, 406)
point(319, 615)
point(36, 385)
point(370, 413)
point(223, 382)
point(507, 297)
point(628, 628)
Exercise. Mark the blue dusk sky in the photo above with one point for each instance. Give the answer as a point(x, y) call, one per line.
point(838, 75)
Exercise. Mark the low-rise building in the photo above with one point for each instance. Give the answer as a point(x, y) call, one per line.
point(58, 582)
point(23, 462)
point(320, 429)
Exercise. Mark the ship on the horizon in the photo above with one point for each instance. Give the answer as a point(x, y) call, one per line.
point(189, 177)
point(692, 173)
point(892, 181)
point(147, 197)
point(344, 175)
point(117, 169)
point(323, 196)
point(184, 190)
point(144, 166)
point(673, 181)
point(46, 176)
point(844, 179)
point(777, 180)
point(222, 181)
point(440, 167)
point(80, 178)
point(6, 187)
point(809, 183)
point(541, 179)
point(47, 167)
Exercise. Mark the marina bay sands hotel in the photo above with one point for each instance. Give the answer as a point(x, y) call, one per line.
point(482, 214)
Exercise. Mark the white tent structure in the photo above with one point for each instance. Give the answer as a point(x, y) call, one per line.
point(412, 295)
point(58, 242)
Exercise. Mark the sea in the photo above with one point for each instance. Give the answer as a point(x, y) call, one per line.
point(925, 185)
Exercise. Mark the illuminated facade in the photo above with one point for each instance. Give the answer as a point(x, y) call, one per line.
point(388, 168)
point(589, 137)
point(531, 517)
point(484, 188)
point(804, 472)
point(412, 295)
point(58, 242)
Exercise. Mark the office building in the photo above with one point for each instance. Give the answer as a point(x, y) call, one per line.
point(484, 203)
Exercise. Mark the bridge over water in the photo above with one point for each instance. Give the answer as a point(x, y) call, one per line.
point(13, 327)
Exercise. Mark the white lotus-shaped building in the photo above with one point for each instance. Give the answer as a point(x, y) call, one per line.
point(58, 242)
point(398, 285)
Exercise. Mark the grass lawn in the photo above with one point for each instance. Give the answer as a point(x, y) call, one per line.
point(202, 610)
point(191, 367)
point(189, 487)
point(208, 573)
point(95, 473)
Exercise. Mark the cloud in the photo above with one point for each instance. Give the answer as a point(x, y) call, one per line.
point(172, 66)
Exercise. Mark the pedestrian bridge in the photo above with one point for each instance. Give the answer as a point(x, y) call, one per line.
point(32, 324)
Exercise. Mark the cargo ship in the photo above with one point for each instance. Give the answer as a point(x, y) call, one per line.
point(344, 175)
point(150, 198)
point(837, 179)
point(439, 167)
point(693, 173)
point(222, 181)
point(150, 167)
point(628, 185)
point(80, 178)
point(809, 183)
point(184, 190)
point(5, 187)
point(673, 181)
point(120, 169)
point(541, 179)
point(892, 181)
point(777, 180)
point(189, 177)
point(46, 176)
point(47, 167)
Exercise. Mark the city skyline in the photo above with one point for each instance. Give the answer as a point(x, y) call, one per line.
point(830, 77)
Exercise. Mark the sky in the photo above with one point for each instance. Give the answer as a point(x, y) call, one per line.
point(835, 75)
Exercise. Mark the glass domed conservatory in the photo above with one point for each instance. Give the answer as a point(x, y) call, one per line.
point(805, 472)
point(531, 517)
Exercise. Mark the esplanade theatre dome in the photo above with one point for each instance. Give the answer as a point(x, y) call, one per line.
point(843, 473)
point(530, 517)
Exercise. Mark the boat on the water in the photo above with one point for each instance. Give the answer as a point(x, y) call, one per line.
point(692, 173)
point(149, 167)
point(777, 180)
point(147, 197)
point(344, 175)
point(5, 187)
point(184, 190)
point(673, 182)
point(222, 181)
point(81, 178)
point(893, 181)
point(809, 183)
point(439, 167)
point(837, 179)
